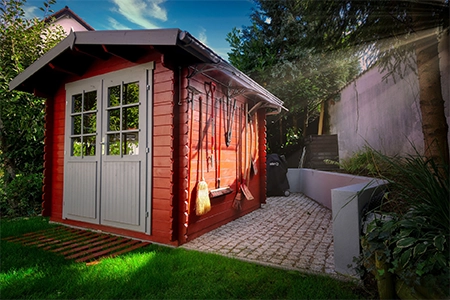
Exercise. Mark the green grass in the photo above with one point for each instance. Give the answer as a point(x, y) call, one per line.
point(154, 272)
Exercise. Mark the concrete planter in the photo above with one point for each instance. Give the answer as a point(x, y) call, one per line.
point(346, 195)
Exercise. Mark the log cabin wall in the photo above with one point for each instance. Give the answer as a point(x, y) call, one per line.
point(222, 210)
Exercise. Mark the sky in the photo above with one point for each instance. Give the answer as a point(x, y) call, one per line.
point(208, 20)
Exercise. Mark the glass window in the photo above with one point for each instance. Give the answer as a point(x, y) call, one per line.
point(113, 144)
point(130, 143)
point(84, 124)
point(77, 102)
point(130, 118)
point(89, 123)
point(123, 119)
point(89, 146)
point(76, 146)
point(131, 93)
point(114, 120)
point(90, 101)
point(114, 96)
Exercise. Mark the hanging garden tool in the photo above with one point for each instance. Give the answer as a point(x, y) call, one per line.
point(255, 130)
point(213, 123)
point(244, 187)
point(219, 191)
point(230, 120)
point(202, 204)
point(207, 87)
point(238, 197)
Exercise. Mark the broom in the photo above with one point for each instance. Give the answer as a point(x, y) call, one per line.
point(202, 203)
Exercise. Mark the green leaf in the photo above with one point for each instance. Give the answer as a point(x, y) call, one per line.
point(404, 259)
point(406, 242)
point(439, 241)
point(408, 224)
point(420, 249)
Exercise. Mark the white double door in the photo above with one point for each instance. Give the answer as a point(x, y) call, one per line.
point(107, 149)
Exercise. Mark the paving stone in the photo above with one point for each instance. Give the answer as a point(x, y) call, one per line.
point(294, 232)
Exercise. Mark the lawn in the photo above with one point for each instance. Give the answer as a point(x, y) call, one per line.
point(153, 272)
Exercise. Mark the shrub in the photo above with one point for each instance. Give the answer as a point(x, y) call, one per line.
point(366, 162)
point(415, 244)
point(22, 196)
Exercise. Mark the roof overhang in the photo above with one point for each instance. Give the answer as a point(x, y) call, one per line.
point(75, 54)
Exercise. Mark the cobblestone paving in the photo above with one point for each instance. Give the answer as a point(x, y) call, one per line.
point(292, 232)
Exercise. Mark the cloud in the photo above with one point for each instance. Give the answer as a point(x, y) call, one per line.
point(30, 11)
point(141, 11)
point(202, 36)
point(114, 24)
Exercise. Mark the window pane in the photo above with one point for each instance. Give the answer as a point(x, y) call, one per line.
point(76, 103)
point(113, 144)
point(89, 123)
point(114, 120)
point(89, 146)
point(90, 101)
point(131, 93)
point(76, 146)
point(130, 118)
point(130, 143)
point(76, 124)
point(114, 96)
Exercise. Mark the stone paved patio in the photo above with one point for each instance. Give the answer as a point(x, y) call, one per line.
point(292, 232)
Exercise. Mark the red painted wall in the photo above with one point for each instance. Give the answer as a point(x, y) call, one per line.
point(222, 211)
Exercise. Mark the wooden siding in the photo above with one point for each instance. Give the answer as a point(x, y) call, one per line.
point(163, 148)
point(222, 210)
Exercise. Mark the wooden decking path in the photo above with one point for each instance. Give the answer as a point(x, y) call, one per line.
point(80, 245)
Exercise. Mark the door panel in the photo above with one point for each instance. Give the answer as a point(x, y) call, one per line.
point(123, 178)
point(121, 194)
point(81, 191)
point(107, 168)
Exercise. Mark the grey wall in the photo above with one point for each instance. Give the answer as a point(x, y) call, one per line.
point(317, 184)
point(385, 115)
point(346, 195)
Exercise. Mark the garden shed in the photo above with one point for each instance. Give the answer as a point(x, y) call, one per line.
point(135, 120)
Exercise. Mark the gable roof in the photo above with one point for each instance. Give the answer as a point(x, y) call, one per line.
point(67, 12)
point(75, 54)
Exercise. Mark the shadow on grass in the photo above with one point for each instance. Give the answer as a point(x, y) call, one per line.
point(155, 272)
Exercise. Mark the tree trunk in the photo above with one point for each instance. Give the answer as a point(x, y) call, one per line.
point(434, 124)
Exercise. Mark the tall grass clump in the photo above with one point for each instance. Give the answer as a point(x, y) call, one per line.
point(413, 242)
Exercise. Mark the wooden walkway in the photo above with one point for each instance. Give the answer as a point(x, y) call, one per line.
point(80, 245)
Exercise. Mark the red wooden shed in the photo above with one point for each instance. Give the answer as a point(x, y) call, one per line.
point(138, 123)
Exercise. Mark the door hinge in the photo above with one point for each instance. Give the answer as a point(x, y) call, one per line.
point(147, 214)
point(147, 150)
point(148, 87)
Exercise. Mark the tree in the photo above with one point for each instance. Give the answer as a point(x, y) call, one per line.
point(22, 41)
point(273, 52)
point(396, 34)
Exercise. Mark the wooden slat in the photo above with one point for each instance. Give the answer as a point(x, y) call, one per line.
point(88, 243)
point(104, 241)
point(102, 252)
point(81, 237)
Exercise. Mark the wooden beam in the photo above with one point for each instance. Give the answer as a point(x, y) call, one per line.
point(63, 69)
point(129, 53)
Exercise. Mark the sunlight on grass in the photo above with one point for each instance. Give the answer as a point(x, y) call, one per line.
point(123, 266)
point(153, 272)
